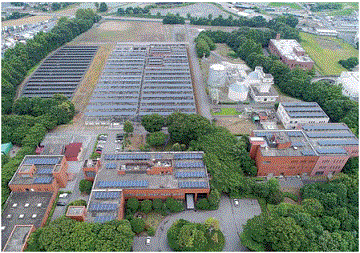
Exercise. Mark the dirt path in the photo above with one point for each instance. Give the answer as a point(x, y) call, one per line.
point(88, 84)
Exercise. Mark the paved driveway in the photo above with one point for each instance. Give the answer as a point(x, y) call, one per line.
point(231, 220)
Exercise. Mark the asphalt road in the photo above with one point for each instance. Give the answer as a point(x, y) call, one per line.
point(231, 220)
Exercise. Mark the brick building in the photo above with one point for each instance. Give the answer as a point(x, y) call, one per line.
point(291, 53)
point(91, 168)
point(34, 188)
point(147, 175)
point(313, 149)
point(292, 114)
point(73, 151)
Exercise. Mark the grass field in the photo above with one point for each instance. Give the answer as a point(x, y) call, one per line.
point(291, 5)
point(226, 111)
point(326, 52)
point(127, 31)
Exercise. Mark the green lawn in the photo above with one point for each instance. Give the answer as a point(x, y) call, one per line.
point(226, 111)
point(344, 12)
point(326, 52)
point(291, 5)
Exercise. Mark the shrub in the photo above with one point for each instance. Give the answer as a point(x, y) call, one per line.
point(151, 231)
point(132, 204)
point(137, 225)
point(157, 204)
point(146, 206)
point(156, 139)
point(85, 186)
point(173, 205)
point(202, 204)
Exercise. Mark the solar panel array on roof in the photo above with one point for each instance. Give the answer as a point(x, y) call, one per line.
point(123, 184)
point(179, 164)
point(44, 171)
point(294, 134)
point(103, 207)
point(42, 160)
point(307, 115)
point(299, 104)
point(43, 180)
point(347, 142)
point(297, 144)
point(190, 174)
point(104, 218)
point(329, 126)
point(329, 135)
point(308, 152)
point(263, 134)
point(106, 194)
point(128, 157)
point(193, 184)
point(331, 151)
point(110, 166)
point(181, 156)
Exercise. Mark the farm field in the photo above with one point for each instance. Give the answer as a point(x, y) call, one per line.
point(291, 5)
point(25, 21)
point(126, 31)
point(326, 52)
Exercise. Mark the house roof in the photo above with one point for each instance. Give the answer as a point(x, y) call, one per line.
point(73, 149)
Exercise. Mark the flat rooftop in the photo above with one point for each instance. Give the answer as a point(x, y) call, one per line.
point(310, 140)
point(75, 210)
point(23, 208)
point(18, 238)
point(43, 174)
point(304, 110)
point(272, 92)
point(287, 49)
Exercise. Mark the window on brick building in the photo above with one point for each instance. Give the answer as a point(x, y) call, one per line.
point(266, 162)
point(318, 173)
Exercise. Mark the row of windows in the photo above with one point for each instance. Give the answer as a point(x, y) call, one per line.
point(153, 194)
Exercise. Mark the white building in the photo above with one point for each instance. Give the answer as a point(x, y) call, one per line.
point(326, 32)
point(350, 84)
point(260, 86)
point(292, 114)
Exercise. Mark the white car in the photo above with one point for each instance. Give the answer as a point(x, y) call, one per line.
point(236, 202)
point(148, 239)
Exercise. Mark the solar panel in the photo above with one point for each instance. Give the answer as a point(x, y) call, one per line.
point(106, 194)
point(329, 135)
point(110, 166)
point(331, 151)
point(307, 114)
point(103, 207)
point(190, 174)
point(193, 184)
point(44, 171)
point(42, 160)
point(329, 126)
point(199, 164)
point(299, 104)
point(104, 218)
point(307, 152)
point(294, 134)
point(338, 142)
point(43, 180)
point(179, 156)
point(123, 184)
point(297, 144)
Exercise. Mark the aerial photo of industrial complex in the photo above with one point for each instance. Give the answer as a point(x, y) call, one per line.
point(180, 126)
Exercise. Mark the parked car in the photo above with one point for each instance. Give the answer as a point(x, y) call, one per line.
point(99, 150)
point(148, 239)
point(61, 203)
point(236, 202)
point(63, 195)
point(119, 137)
point(102, 137)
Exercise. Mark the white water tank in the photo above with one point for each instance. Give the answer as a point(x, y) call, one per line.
point(238, 92)
point(217, 75)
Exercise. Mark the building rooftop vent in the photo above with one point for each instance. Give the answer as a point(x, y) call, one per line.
point(34, 216)
point(39, 205)
point(27, 205)
point(14, 205)
point(8, 216)
point(21, 216)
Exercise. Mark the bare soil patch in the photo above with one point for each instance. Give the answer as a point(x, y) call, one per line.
point(25, 21)
point(236, 125)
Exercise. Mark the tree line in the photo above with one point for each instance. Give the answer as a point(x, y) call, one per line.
point(248, 43)
point(173, 19)
point(325, 6)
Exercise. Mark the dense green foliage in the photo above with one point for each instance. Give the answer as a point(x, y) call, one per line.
point(350, 63)
point(103, 7)
point(153, 122)
point(128, 127)
point(132, 10)
point(156, 139)
point(16, 15)
point(85, 186)
point(210, 203)
point(173, 19)
point(325, 6)
point(174, 205)
point(146, 206)
point(133, 204)
point(326, 220)
point(204, 45)
point(186, 236)
point(137, 225)
point(65, 234)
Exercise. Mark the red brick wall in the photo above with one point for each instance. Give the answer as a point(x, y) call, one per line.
point(48, 209)
point(327, 164)
point(37, 187)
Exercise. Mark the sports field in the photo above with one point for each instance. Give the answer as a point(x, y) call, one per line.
point(326, 52)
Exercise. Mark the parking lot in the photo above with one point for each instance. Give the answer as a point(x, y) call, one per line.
point(231, 218)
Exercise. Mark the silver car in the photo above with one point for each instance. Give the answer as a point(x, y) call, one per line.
point(147, 242)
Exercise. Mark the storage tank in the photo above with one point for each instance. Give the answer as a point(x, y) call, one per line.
point(238, 92)
point(217, 75)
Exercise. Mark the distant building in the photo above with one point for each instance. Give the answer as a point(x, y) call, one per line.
point(325, 32)
point(292, 114)
point(145, 175)
point(261, 86)
point(350, 84)
point(291, 53)
point(313, 150)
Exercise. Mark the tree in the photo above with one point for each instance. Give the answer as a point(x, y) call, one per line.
point(153, 122)
point(213, 223)
point(96, 5)
point(202, 49)
point(137, 225)
point(312, 207)
point(151, 231)
point(156, 138)
point(146, 206)
point(103, 7)
point(133, 204)
point(85, 186)
point(79, 202)
point(330, 223)
point(157, 204)
point(120, 11)
point(214, 198)
point(173, 205)
point(128, 127)
point(203, 204)
point(350, 63)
